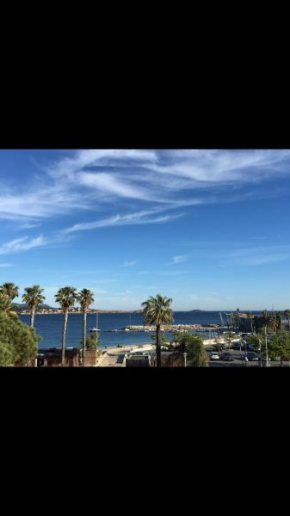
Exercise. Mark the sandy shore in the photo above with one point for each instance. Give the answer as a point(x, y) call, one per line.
point(131, 347)
point(150, 346)
point(109, 358)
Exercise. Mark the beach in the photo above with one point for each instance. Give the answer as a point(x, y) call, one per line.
point(111, 356)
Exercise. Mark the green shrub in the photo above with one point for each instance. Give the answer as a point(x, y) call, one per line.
point(19, 342)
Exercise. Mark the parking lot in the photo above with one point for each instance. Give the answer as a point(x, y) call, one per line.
point(239, 360)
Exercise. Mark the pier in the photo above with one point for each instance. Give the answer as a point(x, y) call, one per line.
point(173, 328)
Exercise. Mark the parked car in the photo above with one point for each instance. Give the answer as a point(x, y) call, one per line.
point(214, 356)
point(251, 347)
point(227, 356)
point(264, 359)
point(253, 357)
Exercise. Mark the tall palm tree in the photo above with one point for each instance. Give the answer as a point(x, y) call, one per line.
point(85, 298)
point(250, 316)
point(66, 297)
point(33, 296)
point(10, 290)
point(287, 314)
point(157, 311)
point(278, 318)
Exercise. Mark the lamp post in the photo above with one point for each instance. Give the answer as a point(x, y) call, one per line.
point(266, 343)
point(185, 355)
point(260, 345)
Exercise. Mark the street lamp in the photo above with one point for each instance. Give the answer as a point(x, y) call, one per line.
point(185, 355)
point(260, 346)
point(266, 343)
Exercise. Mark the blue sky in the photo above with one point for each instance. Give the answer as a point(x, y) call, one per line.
point(208, 228)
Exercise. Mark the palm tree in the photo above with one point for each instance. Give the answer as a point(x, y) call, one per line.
point(5, 305)
point(287, 315)
point(157, 311)
point(250, 316)
point(10, 290)
point(33, 296)
point(85, 298)
point(66, 297)
point(278, 318)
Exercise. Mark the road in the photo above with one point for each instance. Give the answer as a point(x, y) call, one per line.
point(116, 359)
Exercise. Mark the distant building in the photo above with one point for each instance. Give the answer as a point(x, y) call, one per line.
point(244, 322)
point(256, 323)
point(284, 325)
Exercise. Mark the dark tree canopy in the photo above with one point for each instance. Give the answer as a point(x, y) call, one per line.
point(18, 342)
point(92, 341)
point(193, 346)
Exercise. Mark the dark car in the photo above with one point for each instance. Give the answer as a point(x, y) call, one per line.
point(227, 356)
point(252, 347)
point(253, 357)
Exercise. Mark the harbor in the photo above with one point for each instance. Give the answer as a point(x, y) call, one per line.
point(115, 329)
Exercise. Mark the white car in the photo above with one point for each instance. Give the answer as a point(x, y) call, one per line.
point(214, 356)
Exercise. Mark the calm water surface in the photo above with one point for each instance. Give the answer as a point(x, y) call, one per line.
point(50, 327)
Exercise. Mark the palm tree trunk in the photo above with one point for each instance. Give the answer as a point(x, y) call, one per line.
point(158, 346)
point(84, 337)
point(33, 310)
point(64, 337)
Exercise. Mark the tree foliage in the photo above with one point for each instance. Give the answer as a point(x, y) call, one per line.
point(18, 342)
point(193, 346)
point(66, 297)
point(278, 343)
point(157, 310)
point(92, 341)
point(6, 307)
point(287, 315)
point(85, 298)
point(33, 297)
point(10, 289)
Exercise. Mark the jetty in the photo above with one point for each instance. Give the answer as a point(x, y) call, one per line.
point(173, 327)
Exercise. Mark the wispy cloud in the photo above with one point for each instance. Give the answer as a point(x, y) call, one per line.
point(170, 178)
point(142, 217)
point(21, 244)
point(129, 264)
point(178, 259)
point(158, 183)
point(5, 264)
point(25, 243)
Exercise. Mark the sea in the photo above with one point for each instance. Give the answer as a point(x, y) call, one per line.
point(49, 327)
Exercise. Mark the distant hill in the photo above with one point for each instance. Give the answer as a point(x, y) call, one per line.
point(24, 306)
